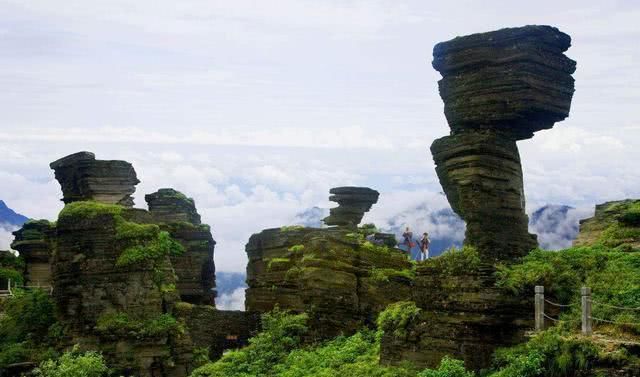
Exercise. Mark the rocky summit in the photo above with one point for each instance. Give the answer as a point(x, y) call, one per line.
point(497, 87)
point(353, 202)
point(82, 177)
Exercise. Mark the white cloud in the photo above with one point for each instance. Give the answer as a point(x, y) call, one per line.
point(232, 301)
point(5, 236)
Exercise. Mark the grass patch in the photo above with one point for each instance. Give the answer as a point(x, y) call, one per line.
point(397, 317)
point(123, 324)
point(455, 261)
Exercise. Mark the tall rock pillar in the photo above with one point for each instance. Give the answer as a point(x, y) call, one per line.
point(498, 88)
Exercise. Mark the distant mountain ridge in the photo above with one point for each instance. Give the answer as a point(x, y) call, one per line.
point(10, 217)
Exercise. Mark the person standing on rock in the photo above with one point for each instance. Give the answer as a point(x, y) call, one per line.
point(424, 246)
point(408, 240)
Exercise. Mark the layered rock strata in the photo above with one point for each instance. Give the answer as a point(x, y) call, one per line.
point(170, 206)
point(34, 242)
point(332, 274)
point(462, 315)
point(195, 269)
point(353, 202)
point(497, 87)
point(82, 177)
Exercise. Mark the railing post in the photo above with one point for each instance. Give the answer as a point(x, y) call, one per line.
point(539, 303)
point(586, 311)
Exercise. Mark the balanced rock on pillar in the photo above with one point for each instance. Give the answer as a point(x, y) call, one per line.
point(82, 177)
point(353, 202)
point(497, 87)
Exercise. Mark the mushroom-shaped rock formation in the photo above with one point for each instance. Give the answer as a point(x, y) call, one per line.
point(82, 177)
point(171, 206)
point(353, 202)
point(497, 87)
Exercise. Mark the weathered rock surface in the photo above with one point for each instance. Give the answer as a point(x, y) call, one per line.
point(34, 242)
point(516, 80)
point(462, 315)
point(481, 174)
point(82, 177)
point(353, 202)
point(170, 206)
point(195, 269)
point(614, 224)
point(341, 281)
point(218, 330)
point(497, 87)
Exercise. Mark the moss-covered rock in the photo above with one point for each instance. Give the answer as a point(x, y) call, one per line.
point(333, 274)
point(615, 224)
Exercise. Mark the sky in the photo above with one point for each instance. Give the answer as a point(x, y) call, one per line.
point(256, 108)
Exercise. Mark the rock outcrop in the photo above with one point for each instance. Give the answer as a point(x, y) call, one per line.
point(614, 224)
point(82, 177)
point(497, 87)
point(195, 269)
point(170, 206)
point(353, 202)
point(34, 243)
point(462, 314)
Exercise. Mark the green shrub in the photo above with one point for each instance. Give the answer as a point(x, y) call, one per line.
point(150, 250)
point(282, 333)
point(612, 275)
point(123, 324)
point(550, 353)
point(455, 261)
point(27, 315)
point(397, 317)
point(74, 364)
point(450, 368)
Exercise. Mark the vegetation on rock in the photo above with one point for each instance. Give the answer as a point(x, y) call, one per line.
point(455, 261)
point(127, 325)
point(397, 317)
point(74, 364)
point(26, 327)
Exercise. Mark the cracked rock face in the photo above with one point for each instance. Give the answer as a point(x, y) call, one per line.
point(497, 87)
point(82, 177)
point(171, 206)
point(353, 202)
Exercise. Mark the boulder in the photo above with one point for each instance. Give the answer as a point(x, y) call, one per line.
point(82, 177)
point(170, 206)
point(353, 202)
point(516, 80)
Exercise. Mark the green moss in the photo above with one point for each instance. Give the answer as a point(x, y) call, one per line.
point(123, 324)
point(384, 274)
point(618, 234)
point(275, 261)
point(291, 228)
point(397, 317)
point(455, 261)
point(296, 248)
point(89, 209)
point(150, 250)
point(631, 215)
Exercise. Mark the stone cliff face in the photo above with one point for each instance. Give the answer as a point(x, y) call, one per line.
point(334, 275)
point(195, 269)
point(497, 87)
point(82, 177)
point(125, 280)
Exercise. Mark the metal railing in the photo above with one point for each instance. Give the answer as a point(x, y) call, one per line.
point(586, 306)
point(9, 292)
